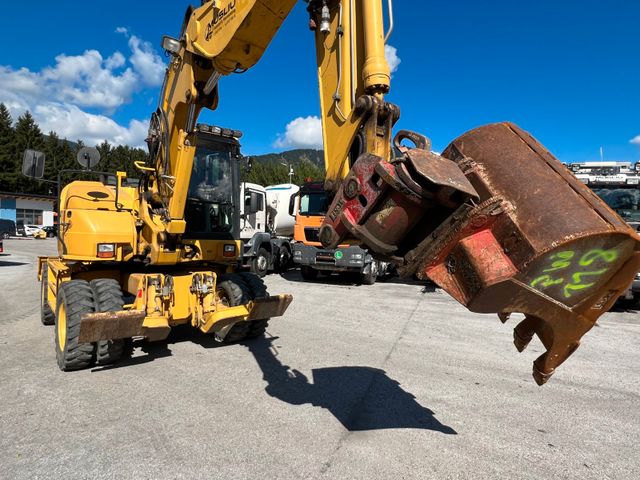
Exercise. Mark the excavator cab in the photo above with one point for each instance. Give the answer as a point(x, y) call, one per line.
point(213, 206)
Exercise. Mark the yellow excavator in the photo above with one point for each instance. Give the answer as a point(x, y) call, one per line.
point(496, 220)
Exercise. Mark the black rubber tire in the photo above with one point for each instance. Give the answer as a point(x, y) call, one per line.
point(258, 290)
point(77, 298)
point(47, 315)
point(308, 273)
point(5, 235)
point(260, 263)
point(284, 259)
point(236, 292)
point(107, 296)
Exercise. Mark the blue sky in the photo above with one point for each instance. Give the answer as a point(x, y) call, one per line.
point(565, 70)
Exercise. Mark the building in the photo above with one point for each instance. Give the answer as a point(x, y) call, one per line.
point(28, 209)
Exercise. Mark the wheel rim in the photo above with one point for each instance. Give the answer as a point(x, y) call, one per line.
point(262, 263)
point(62, 327)
point(223, 298)
point(374, 269)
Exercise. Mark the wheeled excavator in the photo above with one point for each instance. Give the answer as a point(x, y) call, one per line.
point(495, 220)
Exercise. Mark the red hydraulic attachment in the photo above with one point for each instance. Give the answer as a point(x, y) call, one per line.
point(499, 224)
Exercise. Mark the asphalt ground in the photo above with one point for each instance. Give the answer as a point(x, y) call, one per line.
point(390, 381)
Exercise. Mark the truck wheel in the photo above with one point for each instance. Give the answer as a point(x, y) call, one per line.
point(75, 298)
point(5, 235)
point(258, 290)
point(284, 259)
point(107, 295)
point(233, 292)
point(370, 274)
point(308, 273)
point(260, 263)
point(47, 317)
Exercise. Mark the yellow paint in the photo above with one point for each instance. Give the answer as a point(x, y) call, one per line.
point(224, 316)
point(61, 321)
point(218, 38)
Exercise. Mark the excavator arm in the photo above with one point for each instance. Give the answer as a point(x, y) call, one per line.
point(496, 220)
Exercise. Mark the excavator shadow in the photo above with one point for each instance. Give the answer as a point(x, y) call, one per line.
point(161, 349)
point(361, 398)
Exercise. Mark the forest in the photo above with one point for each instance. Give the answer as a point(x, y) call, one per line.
point(24, 133)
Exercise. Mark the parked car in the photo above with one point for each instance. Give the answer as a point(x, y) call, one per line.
point(7, 228)
point(1, 247)
point(31, 230)
point(51, 231)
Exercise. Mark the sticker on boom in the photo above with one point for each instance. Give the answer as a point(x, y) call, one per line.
point(575, 275)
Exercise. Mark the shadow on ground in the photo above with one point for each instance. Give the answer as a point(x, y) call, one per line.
point(624, 305)
point(354, 279)
point(4, 263)
point(361, 398)
point(161, 349)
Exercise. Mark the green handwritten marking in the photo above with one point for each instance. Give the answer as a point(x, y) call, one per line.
point(598, 254)
point(579, 280)
point(564, 261)
point(546, 281)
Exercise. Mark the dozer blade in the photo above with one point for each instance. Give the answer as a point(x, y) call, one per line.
point(534, 240)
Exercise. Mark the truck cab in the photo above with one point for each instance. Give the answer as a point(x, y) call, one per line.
point(310, 207)
point(266, 226)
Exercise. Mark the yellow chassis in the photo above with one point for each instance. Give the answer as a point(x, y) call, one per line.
point(161, 301)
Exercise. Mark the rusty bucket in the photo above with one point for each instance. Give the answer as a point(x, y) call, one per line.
point(537, 242)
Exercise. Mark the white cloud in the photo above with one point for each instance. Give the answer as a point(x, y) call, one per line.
point(635, 140)
point(71, 122)
point(303, 132)
point(146, 62)
point(116, 60)
point(391, 54)
point(57, 94)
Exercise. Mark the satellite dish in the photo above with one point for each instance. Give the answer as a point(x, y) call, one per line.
point(88, 157)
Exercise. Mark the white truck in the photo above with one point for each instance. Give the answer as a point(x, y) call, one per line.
point(618, 184)
point(266, 226)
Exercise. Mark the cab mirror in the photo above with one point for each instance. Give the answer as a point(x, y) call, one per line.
point(33, 164)
point(292, 205)
point(255, 202)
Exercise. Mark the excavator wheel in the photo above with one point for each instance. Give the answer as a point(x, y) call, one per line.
point(75, 298)
point(258, 290)
point(107, 295)
point(47, 316)
point(234, 291)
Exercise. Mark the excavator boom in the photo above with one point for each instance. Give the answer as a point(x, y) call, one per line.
point(495, 220)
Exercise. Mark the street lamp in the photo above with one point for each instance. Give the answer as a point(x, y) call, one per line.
point(290, 167)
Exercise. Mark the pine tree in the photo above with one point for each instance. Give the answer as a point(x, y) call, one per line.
point(27, 137)
point(6, 149)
